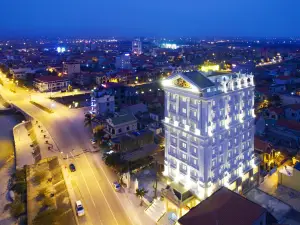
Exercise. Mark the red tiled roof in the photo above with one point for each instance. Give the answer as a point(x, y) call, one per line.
point(264, 90)
point(283, 78)
point(224, 207)
point(290, 124)
point(51, 79)
point(294, 106)
point(277, 110)
point(262, 146)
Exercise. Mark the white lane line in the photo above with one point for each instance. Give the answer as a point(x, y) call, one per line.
point(76, 160)
point(118, 197)
point(100, 189)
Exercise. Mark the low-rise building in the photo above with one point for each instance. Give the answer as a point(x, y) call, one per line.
point(102, 103)
point(227, 208)
point(21, 73)
point(51, 83)
point(120, 125)
point(70, 68)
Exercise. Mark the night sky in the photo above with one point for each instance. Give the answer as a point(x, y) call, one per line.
point(172, 18)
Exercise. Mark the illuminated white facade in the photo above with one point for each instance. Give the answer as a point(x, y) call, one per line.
point(209, 131)
point(123, 61)
point(137, 47)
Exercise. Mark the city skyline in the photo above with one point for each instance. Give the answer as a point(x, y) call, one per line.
point(168, 18)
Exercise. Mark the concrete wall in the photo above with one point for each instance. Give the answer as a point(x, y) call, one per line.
point(290, 181)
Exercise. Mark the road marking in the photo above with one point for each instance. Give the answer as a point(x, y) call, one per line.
point(117, 195)
point(101, 189)
point(87, 188)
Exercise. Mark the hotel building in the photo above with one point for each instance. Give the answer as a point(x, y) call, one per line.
point(209, 134)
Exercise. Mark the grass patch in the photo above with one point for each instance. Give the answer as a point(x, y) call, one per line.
point(46, 109)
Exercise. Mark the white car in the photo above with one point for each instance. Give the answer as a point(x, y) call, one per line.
point(93, 141)
point(79, 208)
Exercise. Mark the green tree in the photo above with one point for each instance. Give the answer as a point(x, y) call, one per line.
point(39, 176)
point(48, 202)
point(47, 217)
point(274, 100)
point(20, 175)
point(42, 193)
point(140, 193)
point(70, 88)
point(88, 120)
point(20, 187)
point(16, 208)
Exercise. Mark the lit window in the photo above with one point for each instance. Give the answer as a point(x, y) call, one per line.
point(195, 150)
point(183, 144)
point(195, 161)
point(195, 113)
point(214, 163)
point(184, 156)
point(213, 151)
point(184, 110)
point(183, 99)
point(183, 134)
point(184, 121)
point(183, 167)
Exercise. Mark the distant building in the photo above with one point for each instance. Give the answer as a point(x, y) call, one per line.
point(21, 73)
point(51, 83)
point(124, 95)
point(123, 61)
point(102, 103)
point(137, 47)
point(120, 125)
point(70, 68)
point(226, 207)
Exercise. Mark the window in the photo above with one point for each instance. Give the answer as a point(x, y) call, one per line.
point(214, 163)
point(127, 128)
point(183, 167)
point(184, 156)
point(213, 151)
point(183, 134)
point(195, 113)
point(194, 161)
point(183, 145)
point(184, 110)
point(195, 150)
point(184, 121)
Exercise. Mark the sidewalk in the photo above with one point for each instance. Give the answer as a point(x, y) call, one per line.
point(132, 205)
point(23, 143)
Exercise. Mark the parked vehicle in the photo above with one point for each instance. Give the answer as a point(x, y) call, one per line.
point(79, 208)
point(72, 167)
point(116, 186)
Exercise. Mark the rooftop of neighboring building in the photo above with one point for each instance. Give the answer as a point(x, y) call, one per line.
point(199, 79)
point(293, 106)
point(289, 124)
point(262, 146)
point(48, 79)
point(119, 119)
point(224, 207)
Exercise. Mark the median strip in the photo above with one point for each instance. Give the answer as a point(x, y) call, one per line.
point(46, 109)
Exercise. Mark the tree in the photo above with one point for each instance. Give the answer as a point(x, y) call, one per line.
point(70, 88)
point(17, 208)
point(275, 100)
point(47, 217)
point(116, 162)
point(140, 193)
point(39, 176)
point(42, 193)
point(20, 187)
point(47, 202)
point(88, 120)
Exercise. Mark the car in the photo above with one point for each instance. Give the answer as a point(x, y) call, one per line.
point(72, 167)
point(93, 141)
point(116, 186)
point(79, 208)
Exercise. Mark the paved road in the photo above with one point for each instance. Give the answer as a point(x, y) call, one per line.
point(92, 180)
